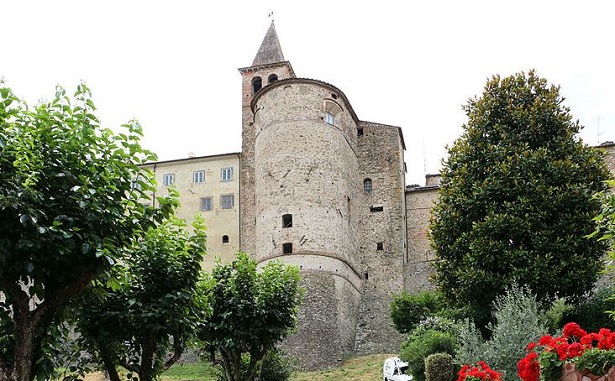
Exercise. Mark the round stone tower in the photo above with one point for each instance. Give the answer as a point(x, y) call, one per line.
point(306, 182)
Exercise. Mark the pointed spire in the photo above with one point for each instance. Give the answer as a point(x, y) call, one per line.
point(270, 50)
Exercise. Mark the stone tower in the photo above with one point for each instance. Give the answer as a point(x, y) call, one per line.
point(268, 66)
point(322, 190)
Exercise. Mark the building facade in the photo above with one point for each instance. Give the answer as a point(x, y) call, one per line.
point(209, 186)
point(316, 187)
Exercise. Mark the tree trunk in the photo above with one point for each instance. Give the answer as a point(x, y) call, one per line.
point(107, 358)
point(147, 356)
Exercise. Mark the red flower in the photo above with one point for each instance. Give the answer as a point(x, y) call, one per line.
point(531, 346)
point(546, 340)
point(562, 350)
point(575, 350)
point(528, 367)
point(573, 330)
point(481, 371)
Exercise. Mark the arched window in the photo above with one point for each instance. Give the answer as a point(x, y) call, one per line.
point(332, 112)
point(225, 239)
point(257, 84)
point(273, 78)
point(367, 185)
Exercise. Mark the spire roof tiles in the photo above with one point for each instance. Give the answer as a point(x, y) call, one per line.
point(270, 50)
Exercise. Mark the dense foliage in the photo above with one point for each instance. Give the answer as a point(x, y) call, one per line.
point(67, 207)
point(277, 366)
point(248, 312)
point(408, 310)
point(148, 311)
point(592, 313)
point(518, 321)
point(433, 335)
point(439, 367)
point(516, 199)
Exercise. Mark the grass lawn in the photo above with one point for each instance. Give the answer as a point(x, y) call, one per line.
point(362, 368)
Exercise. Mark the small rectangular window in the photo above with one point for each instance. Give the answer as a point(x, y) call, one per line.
point(287, 248)
point(359, 132)
point(198, 177)
point(329, 118)
point(227, 174)
point(379, 246)
point(376, 208)
point(287, 220)
point(206, 203)
point(168, 179)
point(227, 201)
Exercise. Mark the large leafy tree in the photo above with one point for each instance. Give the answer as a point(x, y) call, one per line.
point(249, 311)
point(68, 204)
point(516, 201)
point(142, 323)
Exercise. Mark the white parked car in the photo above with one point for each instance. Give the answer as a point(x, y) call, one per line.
point(395, 370)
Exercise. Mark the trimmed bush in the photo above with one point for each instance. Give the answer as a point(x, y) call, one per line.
point(433, 335)
point(439, 367)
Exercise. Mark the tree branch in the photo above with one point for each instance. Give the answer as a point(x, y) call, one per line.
point(178, 350)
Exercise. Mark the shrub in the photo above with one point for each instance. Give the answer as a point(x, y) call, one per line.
point(439, 367)
point(592, 312)
point(408, 310)
point(555, 314)
point(518, 321)
point(276, 366)
point(431, 336)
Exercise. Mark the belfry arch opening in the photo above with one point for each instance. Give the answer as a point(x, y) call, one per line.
point(257, 84)
point(272, 78)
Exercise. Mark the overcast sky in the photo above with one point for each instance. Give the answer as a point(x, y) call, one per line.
point(173, 64)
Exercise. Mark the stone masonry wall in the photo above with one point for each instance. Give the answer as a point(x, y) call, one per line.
point(326, 324)
point(306, 167)
point(248, 136)
point(381, 235)
point(419, 202)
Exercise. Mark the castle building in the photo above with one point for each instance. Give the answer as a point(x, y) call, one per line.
point(316, 187)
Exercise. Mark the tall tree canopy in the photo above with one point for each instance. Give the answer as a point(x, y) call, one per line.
point(248, 312)
point(68, 205)
point(516, 201)
point(142, 322)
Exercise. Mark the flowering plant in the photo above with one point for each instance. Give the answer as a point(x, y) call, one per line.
point(479, 372)
point(545, 358)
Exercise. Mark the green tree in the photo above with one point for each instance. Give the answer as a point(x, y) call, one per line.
point(143, 322)
point(516, 201)
point(249, 311)
point(408, 310)
point(68, 204)
point(606, 219)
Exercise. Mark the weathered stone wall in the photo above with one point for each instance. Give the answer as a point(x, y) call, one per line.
point(327, 321)
point(306, 166)
point(419, 201)
point(248, 136)
point(382, 232)
point(609, 149)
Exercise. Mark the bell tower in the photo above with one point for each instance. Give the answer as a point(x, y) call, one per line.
point(268, 66)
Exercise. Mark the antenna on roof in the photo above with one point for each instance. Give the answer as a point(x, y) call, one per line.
point(598, 133)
